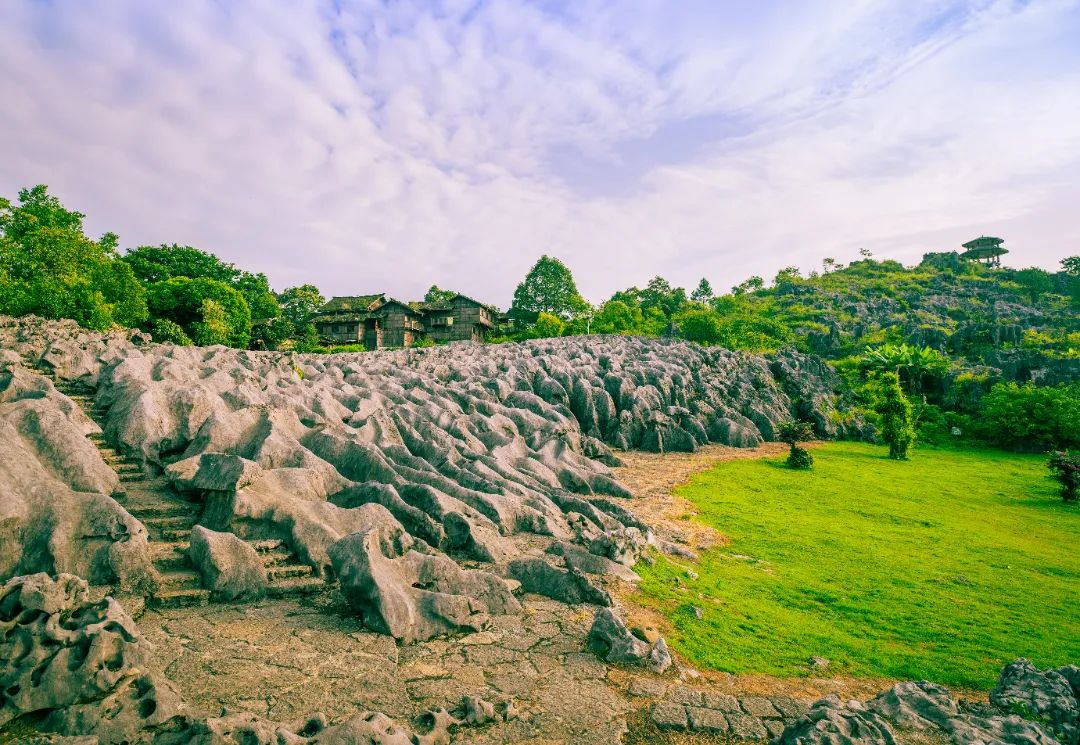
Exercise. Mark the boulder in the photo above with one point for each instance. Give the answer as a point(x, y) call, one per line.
point(230, 567)
point(610, 638)
point(84, 664)
point(410, 594)
point(1025, 690)
point(834, 722)
point(566, 585)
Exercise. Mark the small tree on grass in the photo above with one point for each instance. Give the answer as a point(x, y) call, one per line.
point(897, 420)
point(793, 433)
point(1066, 469)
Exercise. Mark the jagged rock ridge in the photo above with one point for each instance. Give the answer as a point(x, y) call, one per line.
point(485, 453)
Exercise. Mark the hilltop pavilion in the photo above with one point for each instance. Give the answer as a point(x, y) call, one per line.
point(986, 249)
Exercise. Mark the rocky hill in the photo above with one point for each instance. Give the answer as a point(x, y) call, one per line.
point(1009, 324)
point(489, 455)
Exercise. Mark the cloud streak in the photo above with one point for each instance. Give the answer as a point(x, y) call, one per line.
point(366, 146)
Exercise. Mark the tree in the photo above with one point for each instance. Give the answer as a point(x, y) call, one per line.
point(787, 275)
point(1071, 266)
point(660, 294)
point(616, 317)
point(793, 433)
point(752, 284)
point(703, 293)
point(48, 266)
point(866, 253)
point(912, 364)
point(547, 325)
point(549, 287)
point(299, 304)
point(1065, 467)
point(1035, 281)
point(436, 296)
point(206, 310)
point(897, 419)
point(829, 265)
point(159, 263)
point(702, 326)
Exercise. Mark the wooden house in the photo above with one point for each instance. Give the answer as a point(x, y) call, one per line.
point(377, 321)
point(459, 319)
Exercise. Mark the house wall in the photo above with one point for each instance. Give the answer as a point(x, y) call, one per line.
point(340, 332)
point(400, 328)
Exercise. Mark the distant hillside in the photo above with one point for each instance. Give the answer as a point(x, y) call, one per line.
point(1010, 324)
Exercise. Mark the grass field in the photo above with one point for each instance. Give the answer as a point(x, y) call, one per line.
point(943, 567)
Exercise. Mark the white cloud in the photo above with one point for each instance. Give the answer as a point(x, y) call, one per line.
point(388, 147)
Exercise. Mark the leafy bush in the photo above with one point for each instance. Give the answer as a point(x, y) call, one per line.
point(547, 326)
point(800, 458)
point(165, 331)
point(1066, 468)
point(346, 348)
point(1031, 418)
point(208, 311)
point(897, 421)
point(913, 364)
point(792, 433)
point(700, 325)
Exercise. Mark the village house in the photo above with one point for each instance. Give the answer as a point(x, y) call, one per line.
point(377, 321)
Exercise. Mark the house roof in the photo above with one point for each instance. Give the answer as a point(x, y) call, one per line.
point(448, 305)
point(352, 303)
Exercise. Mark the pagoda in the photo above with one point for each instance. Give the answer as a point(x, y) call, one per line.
point(986, 249)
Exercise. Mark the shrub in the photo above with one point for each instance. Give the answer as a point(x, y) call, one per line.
point(209, 311)
point(347, 348)
point(792, 433)
point(1066, 468)
point(1031, 418)
point(547, 325)
point(702, 326)
point(897, 422)
point(165, 331)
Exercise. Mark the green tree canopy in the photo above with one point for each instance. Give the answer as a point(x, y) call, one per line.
point(703, 293)
point(549, 287)
point(435, 295)
point(299, 304)
point(48, 266)
point(660, 294)
point(700, 325)
point(158, 263)
point(1035, 281)
point(206, 310)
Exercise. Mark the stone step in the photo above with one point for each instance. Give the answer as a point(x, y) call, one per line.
point(150, 510)
point(277, 557)
point(267, 545)
point(175, 558)
point(171, 534)
point(171, 521)
point(180, 598)
point(287, 571)
point(295, 586)
point(179, 579)
point(131, 478)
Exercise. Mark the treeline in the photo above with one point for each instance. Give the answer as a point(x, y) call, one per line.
point(51, 268)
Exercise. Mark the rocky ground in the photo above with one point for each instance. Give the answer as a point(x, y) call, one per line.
point(402, 547)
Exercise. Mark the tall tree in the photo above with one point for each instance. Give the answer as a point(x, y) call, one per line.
point(549, 287)
point(48, 266)
point(703, 293)
point(660, 294)
point(436, 296)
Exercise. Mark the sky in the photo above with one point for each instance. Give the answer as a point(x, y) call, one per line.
point(385, 146)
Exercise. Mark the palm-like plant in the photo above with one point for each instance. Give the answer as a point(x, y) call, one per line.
point(913, 364)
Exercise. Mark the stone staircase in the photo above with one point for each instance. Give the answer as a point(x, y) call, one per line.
point(169, 519)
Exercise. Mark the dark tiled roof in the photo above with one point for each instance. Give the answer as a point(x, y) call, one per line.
point(352, 303)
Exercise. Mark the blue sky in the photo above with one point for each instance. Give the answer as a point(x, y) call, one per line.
point(385, 146)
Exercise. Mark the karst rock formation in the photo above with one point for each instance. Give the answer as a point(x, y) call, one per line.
point(407, 461)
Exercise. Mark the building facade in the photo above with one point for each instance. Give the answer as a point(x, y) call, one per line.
point(378, 322)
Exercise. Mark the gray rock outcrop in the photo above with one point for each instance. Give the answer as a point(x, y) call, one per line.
point(85, 664)
point(413, 595)
point(1047, 694)
point(231, 569)
point(610, 638)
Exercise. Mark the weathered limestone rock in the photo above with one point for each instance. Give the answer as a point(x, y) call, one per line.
point(832, 722)
point(566, 585)
point(85, 663)
point(610, 638)
point(409, 594)
point(1024, 689)
point(231, 569)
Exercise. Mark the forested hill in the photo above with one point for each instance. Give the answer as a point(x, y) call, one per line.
point(1021, 324)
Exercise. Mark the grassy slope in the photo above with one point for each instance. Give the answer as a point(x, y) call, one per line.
point(943, 567)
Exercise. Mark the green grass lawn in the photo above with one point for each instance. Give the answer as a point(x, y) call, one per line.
point(943, 567)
